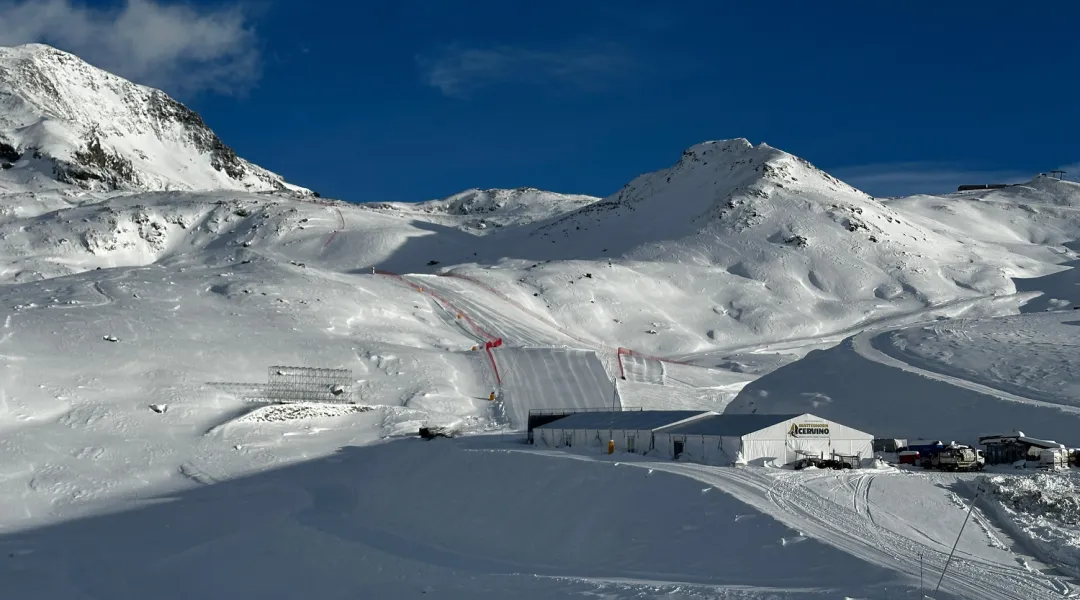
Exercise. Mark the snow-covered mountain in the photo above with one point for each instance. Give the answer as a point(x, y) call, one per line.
point(64, 120)
point(737, 244)
point(141, 268)
point(485, 211)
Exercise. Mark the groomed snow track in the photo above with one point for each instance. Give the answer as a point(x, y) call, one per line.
point(539, 364)
point(490, 306)
point(852, 528)
point(845, 519)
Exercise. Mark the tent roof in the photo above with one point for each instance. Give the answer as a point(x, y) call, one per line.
point(634, 420)
point(728, 425)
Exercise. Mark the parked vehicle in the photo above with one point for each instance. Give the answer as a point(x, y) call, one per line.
point(954, 458)
point(836, 461)
point(909, 457)
point(1054, 458)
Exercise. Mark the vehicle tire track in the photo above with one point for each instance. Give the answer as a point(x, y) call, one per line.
point(863, 345)
point(789, 500)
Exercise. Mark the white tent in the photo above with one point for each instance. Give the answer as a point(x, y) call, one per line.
point(631, 430)
point(761, 439)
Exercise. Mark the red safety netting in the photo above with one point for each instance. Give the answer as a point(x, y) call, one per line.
point(490, 340)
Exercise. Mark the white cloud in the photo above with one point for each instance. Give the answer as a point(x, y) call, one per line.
point(174, 47)
point(459, 71)
point(907, 178)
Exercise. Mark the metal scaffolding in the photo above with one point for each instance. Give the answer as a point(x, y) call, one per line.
point(296, 384)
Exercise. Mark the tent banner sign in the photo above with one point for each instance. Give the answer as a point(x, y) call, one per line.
point(809, 430)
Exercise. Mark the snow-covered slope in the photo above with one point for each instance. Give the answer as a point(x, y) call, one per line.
point(738, 244)
point(129, 299)
point(458, 521)
point(485, 211)
point(63, 119)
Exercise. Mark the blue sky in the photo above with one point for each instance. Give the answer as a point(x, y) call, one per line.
point(416, 99)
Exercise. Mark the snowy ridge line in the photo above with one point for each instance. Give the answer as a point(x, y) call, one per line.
point(619, 352)
point(490, 341)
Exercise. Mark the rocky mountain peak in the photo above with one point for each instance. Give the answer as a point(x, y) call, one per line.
point(65, 120)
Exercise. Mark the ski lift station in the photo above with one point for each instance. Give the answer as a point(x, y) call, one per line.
point(708, 437)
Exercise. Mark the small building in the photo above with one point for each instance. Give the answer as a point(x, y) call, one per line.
point(1008, 449)
point(889, 445)
point(632, 431)
point(757, 439)
point(925, 447)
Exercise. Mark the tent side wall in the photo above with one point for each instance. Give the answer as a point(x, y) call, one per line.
point(704, 449)
point(589, 438)
point(771, 444)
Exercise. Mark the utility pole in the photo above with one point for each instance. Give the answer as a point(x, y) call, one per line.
point(951, 552)
point(921, 595)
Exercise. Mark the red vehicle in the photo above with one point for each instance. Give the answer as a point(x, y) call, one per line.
point(909, 457)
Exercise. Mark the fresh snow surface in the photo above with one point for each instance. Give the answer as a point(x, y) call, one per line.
point(905, 521)
point(216, 287)
point(444, 519)
point(485, 211)
point(199, 289)
point(1042, 510)
point(741, 279)
point(1036, 356)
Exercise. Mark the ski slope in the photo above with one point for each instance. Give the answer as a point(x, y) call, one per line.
point(130, 472)
point(551, 378)
point(665, 397)
point(865, 383)
point(516, 327)
point(639, 369)
point(896, 520)
point(411, 519)
point(1033, 356)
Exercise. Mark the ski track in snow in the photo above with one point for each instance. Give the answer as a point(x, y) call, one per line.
point(792, 499)
point(522, 329)
point(94, 437)
point(868, 345)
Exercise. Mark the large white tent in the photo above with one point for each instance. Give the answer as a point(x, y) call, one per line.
point(760, 439)
point(632, 430)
